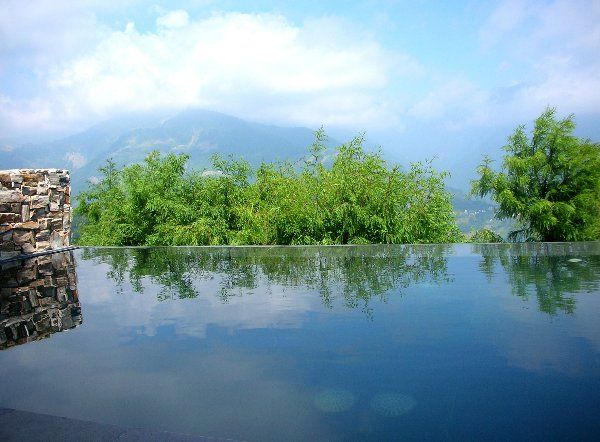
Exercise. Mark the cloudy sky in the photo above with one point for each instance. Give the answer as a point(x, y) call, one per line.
point(381, 66)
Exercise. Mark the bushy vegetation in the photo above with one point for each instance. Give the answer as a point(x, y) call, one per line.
point(485, 236)
point(549, 183)
point(359, 198)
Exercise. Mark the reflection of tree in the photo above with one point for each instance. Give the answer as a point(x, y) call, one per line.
point(554, 273)
point(173, 272)
point(356, 273)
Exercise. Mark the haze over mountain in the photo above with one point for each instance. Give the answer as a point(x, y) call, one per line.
point(202, 133)
point(197, 133)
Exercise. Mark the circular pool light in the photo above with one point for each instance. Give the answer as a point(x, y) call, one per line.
point(334, 400)
point(392, 404)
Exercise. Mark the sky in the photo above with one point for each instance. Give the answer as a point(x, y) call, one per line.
point(398, 70)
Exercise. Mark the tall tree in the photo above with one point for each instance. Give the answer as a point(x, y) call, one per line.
point(549, 182)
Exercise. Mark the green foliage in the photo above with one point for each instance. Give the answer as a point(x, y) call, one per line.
point(549, 183)
point(358, 199)
point(485, 236)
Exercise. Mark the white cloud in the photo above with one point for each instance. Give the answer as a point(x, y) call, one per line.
point(173, 19)
point(456, 95)
point(39, 32)
point(79, 68)
point(560, 42)
point(554, 50)
point(253, 65)
point(505, 18)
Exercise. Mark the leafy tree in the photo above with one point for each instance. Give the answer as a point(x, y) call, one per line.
point(550, 182)
point(485, 236)
point(358, 199)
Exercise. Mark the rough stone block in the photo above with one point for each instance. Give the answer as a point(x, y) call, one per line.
point(58, 239)
point(40, 201)
point(16, 178)
point(9, 218)
point(21, 237)
point(29, 225)
point(56, 224)
point(8, 246)
point(53, 179)
point(38, 214)
point(42, 245)
point(28, 248)
point(35, 202)
point(44, 223)
point(10, 196)
point(25, 214)
point(43, 235)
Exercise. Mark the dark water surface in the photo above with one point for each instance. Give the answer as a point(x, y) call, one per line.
point(311, 343)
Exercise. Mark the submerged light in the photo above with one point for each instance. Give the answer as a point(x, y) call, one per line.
point(334, 400)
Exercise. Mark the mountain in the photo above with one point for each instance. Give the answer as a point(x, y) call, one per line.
point(198, 133)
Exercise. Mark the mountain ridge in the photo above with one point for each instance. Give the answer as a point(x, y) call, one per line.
point(196, 132)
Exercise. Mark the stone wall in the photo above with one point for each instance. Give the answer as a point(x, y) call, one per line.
point(35, 211)
point(38, 297)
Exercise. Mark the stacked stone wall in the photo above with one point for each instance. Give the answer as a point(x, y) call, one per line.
point(35, 211)
point(38, 297)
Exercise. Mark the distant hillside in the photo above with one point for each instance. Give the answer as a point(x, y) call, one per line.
point(198, 133)
point(478, 213)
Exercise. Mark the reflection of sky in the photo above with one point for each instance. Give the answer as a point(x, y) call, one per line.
point(478, 361)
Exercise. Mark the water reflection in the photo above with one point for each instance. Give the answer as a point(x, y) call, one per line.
point(553, 273)
point(257, 356)
point(354, 274)
point(38, 297)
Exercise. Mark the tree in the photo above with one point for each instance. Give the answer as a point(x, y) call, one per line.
point(550, 182)
point(359, 198)
point(485, 236)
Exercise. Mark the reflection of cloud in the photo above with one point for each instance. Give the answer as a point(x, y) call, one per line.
point(539, 343)
point(447, 345)
point(269, 306)
point(212, 393)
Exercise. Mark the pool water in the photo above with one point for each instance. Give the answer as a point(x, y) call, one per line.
point(310, 343)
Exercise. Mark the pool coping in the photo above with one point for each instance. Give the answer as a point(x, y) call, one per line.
point(26, 256)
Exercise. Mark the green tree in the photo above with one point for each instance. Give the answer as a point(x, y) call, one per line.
point(549, 182)
point(359, 198)
point(485, 236)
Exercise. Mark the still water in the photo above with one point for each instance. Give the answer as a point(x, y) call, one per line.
point(310, 343)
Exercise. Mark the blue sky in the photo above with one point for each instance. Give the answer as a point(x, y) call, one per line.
point(396, 69)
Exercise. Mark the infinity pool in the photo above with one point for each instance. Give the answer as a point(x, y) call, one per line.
point(310, 343)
